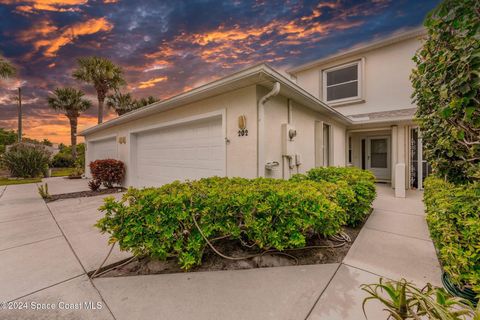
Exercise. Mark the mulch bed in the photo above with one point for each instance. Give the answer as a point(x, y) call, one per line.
point(83, 194)
point(213, 262)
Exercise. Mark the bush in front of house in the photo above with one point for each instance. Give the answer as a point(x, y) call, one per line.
point(63, 160)
point(260, 213)
point(108, 171)
point(25, 160)
point(453, 217)
point(353, 181)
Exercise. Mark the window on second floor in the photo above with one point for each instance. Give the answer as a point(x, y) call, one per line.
point(342, 83)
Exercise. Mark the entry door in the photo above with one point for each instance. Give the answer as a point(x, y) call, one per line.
point(378, 157)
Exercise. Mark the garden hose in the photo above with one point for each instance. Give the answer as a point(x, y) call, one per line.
point(104, 260)
point(466, 293)
point(343, 236)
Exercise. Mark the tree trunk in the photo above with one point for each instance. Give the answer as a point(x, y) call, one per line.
point(73, 135)
point(101, 98)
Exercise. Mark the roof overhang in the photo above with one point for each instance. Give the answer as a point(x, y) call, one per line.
point(397, 37)
point(261, 74)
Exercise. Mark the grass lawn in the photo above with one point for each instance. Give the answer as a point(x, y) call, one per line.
point(9, 181)
point(61, 172)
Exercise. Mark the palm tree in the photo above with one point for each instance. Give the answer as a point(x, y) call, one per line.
point(146, 101)
point(103, 74)
point(72, 102)
point(121, 102)
point(6, 68)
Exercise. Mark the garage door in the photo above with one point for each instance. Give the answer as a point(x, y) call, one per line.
point(103, 149)
point(188, 151)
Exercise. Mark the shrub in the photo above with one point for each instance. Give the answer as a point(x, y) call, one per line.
point(446, 85)
point(63, 160)
point(94, 185)
point(356, 192)
point(453, 217)
point(402, 300)
point(108, 171)
point(265, 213)
point(26, 160)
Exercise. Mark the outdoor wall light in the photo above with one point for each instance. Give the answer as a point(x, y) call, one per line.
point(122, 140)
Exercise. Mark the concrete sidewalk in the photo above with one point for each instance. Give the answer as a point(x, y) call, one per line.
point(45, 252)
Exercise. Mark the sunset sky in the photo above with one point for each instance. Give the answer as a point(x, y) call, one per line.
point(166, 47)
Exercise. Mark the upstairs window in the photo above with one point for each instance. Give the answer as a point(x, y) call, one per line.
point(342, 83)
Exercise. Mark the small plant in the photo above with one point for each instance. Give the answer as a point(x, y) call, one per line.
point(43, 191)
point(26, 160)
point(402, 300)
point(108, 171)
point(76, 173)
point(94, 184)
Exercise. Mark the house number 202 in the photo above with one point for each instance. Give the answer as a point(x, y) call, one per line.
point(242, 132)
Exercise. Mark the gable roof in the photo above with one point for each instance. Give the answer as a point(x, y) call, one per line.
point(395, 38)
point(261, 74)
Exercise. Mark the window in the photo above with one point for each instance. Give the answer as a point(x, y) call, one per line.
point(349, 149)
point(326, 145)
point(342, 83)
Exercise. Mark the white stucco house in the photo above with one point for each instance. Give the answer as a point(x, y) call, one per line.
point(352, 108)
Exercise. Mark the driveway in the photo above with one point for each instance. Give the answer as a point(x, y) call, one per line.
point(46, 251)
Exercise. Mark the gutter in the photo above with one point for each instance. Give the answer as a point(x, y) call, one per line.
point(261, 128)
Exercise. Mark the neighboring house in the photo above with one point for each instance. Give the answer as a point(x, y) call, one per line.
point(353, 108)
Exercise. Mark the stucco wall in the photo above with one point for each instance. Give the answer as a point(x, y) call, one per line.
point(386, 84)
point(241, 152)
point(303, 119)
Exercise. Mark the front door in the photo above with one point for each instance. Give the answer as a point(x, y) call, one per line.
point(378, 157)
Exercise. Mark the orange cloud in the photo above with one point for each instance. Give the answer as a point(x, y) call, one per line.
point(70, 33)
point(151, 82)
point(30, 6)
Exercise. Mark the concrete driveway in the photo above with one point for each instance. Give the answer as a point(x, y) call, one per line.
point(45, 252)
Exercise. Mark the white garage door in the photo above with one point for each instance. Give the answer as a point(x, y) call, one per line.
point(188, 151)
point(103, 149)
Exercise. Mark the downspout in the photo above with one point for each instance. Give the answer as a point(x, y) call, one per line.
point(261, 128)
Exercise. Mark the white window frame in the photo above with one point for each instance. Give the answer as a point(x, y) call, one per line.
point(358, 97)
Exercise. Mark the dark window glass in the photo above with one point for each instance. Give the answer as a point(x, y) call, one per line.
point(342, 91)
point(342, 75)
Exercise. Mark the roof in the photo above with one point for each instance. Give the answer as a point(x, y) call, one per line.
point(261, 74)
point(395, 38)
point(384, 116)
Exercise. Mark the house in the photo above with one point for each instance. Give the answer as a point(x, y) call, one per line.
point(352, 108)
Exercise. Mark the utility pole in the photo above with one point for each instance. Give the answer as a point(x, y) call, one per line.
point(19, 114)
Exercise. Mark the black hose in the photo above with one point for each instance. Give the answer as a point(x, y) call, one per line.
point(451, 288)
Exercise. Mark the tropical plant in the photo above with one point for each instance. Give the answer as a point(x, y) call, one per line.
point(177, 219)
point(43, 191)
point(121, 102)
point(6, 68)
point(356, 192)
point(146, 101)
point(453, 217)
point(108, 171)
point(402, 301)
point(63, 160)
point(26, 160)
point(103, 74)
point(72, 102)
point(94, 184)
point(446, 85)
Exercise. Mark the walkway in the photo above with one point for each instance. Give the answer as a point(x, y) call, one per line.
point(45, 252)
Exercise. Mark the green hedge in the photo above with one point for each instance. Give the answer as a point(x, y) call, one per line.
point(270, 214)
point(354, 181)
point(453, 216)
